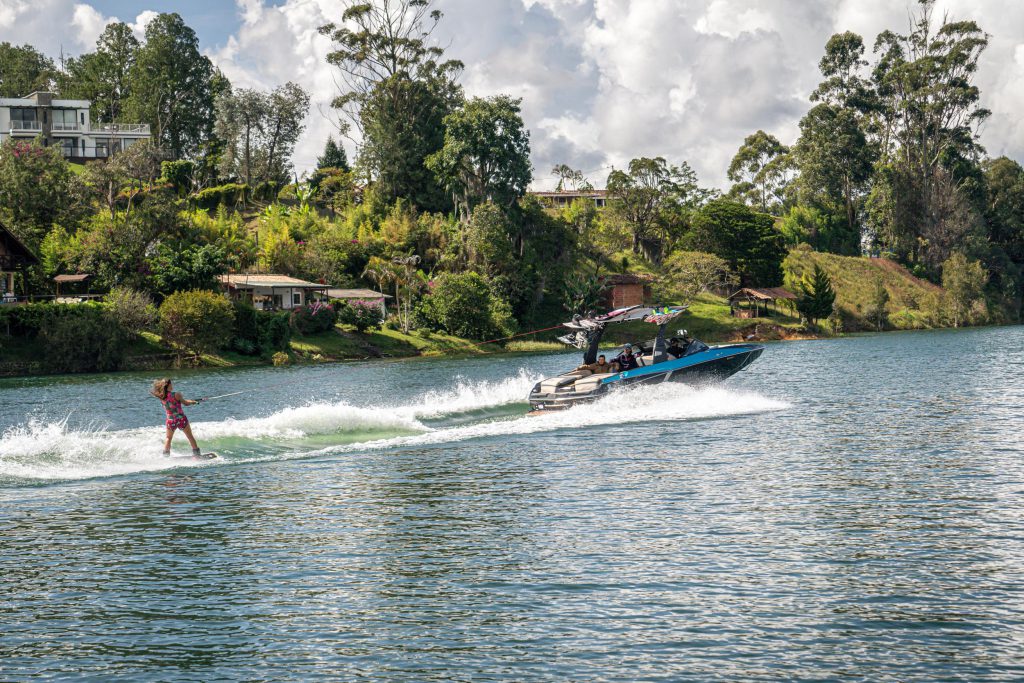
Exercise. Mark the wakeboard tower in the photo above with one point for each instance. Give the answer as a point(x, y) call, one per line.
point(699, 363)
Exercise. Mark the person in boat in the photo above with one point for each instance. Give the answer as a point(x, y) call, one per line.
point(674, 349)
point(626, 360)
point(173, 402)
point(601, 367)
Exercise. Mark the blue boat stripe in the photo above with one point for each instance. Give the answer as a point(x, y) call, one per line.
point(678, 363)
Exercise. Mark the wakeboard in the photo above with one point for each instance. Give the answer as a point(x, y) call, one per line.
point(195, 458)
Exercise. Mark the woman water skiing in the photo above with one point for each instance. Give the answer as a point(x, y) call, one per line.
point(176, 419)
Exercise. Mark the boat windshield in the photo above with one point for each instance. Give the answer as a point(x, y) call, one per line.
point(696, 346)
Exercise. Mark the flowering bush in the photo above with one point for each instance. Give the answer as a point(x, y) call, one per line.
point(314, 318)
point(360, 314)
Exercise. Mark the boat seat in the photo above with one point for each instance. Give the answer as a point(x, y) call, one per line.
point(590, 383)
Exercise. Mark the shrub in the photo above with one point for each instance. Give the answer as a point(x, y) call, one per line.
point(131, 308)
point(178, 174)
point(464, 305)
point(313, 318)
point(360, 314)
point(280, 358)
point(229, 195)
point(90, 340)
point(274, 332)
point(197, 320)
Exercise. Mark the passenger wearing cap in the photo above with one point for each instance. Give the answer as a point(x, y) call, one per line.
point(626, 360)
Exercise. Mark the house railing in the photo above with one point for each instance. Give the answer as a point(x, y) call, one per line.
point(64, 126)
point(34, 126)
point(136, 128)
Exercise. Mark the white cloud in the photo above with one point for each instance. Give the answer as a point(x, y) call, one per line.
point(602, 81)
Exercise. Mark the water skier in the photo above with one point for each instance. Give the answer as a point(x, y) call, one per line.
point(173, 402)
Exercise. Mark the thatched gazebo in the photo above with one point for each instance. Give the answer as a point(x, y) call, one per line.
point(751, 302)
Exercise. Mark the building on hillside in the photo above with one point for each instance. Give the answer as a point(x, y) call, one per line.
point(751, 302)
point(67, 124)
point(559, 199)
point(624, 290)
point(74, 288)
point(15, 257)
point(367, 296)
point(271, 292)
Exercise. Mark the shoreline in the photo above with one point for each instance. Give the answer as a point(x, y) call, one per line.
point(299, 359)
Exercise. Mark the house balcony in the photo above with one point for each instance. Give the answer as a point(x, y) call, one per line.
point(121, 128)
point(31, 127)
point(58, 127)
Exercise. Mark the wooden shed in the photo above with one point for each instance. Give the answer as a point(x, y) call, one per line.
point(751, 302)
point(625, 290)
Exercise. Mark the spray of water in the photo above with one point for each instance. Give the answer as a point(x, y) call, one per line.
point(39, 451)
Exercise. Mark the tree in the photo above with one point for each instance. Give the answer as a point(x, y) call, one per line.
point(570, 179)
point(486, 154)
point(239, 122)
point(24, 70)
point(401, 272)
point(647, 197)
point(489, 241)
point(333, 156)
point(583, 293)
point(816, 296)
point(688, 273)
point(1004, 179)
point(104, 76)
point(260, 130)
point(463, 304)
point(179, 267)
point(173, 86)
point(288, 106)
point(744, 239)
point(396, 89)
point(759, 169)
point(197, 320)
point(132, 309)
point(879, 298)
point(37, 189)
point(964, 282)
point(930, 116)
point(835, 164)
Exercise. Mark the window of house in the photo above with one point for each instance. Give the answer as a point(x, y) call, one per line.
point(101, 149)
point(67, 146)
point(65, 119)
point(296, 298)
point(22, 119)
point(83, 118)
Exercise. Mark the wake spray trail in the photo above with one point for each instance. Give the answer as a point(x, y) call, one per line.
point(37, 451)
point(666, 402)
point(50, 451)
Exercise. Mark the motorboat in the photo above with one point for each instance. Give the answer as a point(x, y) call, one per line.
point(698, 364)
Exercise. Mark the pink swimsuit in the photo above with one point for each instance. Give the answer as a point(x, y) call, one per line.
point(175, 415)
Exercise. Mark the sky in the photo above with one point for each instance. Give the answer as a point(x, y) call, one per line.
point(602, 81)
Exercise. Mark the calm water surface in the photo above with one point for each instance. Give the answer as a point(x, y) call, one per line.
point(843, 509)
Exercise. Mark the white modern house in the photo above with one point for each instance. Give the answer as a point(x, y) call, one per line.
point(66, 123)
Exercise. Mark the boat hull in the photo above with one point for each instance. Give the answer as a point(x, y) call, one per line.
point(712, 365)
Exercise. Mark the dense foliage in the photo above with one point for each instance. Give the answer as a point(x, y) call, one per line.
point(434, 211)
point(197, 320)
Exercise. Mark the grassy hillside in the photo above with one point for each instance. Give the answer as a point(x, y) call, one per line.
point(913, 303)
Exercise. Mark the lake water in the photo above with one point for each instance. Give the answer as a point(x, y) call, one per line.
point(849, 508)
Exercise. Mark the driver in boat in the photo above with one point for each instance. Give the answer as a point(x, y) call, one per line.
point(626, 360)
point(602, 366)
point(674, 349)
